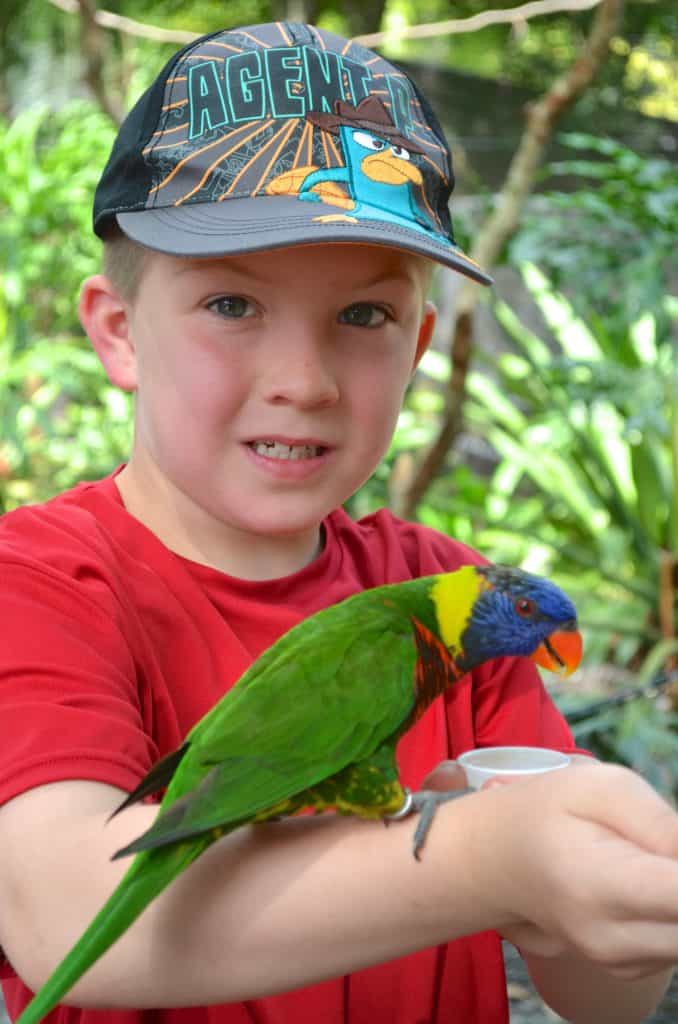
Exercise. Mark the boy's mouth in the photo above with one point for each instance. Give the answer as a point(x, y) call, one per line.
point(293, 452)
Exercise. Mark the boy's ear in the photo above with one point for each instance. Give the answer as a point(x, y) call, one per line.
point(105, 317)
point(426, 328)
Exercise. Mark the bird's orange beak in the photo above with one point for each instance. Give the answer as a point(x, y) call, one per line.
point(561, 652)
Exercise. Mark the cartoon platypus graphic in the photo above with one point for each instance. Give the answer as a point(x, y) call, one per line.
point(378, 176)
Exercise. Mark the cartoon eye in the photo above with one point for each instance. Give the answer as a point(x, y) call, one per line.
point(369, 141)
point(401, 152)
point(524, 607)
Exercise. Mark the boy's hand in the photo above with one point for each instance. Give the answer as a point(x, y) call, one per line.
point(592, 870)
point(588, 863)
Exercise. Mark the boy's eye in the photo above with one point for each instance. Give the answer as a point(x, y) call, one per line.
point(234, 307)
point(363, 314)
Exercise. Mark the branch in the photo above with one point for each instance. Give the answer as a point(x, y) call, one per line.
point(535, 9)
point(667, 622)
point(498, 228)
point(524, 12)
point(107, 19)
point(655, 688)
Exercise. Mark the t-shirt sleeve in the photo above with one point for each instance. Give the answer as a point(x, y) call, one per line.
point(69, 703)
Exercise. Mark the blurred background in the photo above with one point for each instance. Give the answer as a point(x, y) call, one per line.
point(543, 426)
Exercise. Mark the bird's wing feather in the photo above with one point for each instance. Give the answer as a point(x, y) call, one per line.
point(305, 712)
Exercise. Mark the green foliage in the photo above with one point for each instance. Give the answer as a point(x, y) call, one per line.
point(569, 460)
point(60, 421)
point(612, 240)
point(586, 452)
point(574, 431)
point(585, 488)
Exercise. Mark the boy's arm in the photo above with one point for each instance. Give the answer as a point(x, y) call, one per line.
point(266, 909)
point(585, 857)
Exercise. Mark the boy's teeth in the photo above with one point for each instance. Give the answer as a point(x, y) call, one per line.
point(275, 450)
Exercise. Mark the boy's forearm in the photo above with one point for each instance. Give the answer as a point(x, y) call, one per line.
point(585, 993)
point(308, 900)
point(266, 909)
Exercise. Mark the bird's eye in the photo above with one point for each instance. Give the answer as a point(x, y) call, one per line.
point(524, 607)
point(400, 152)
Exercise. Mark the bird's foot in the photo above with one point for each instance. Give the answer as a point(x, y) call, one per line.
point(425, 803)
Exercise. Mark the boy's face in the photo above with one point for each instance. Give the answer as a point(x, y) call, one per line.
point(268, 388)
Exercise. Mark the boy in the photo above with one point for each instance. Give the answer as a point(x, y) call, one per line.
point(269, 210)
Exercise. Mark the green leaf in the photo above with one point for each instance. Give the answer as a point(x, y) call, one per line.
point(491, 397)
point(652, 497)
point(576, 340)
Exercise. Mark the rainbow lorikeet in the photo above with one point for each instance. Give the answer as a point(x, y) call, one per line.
point(314, 723)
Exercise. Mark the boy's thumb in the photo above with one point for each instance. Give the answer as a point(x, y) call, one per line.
point(445, 776)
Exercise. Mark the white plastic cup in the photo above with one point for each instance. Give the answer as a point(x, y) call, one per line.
point(486, 763)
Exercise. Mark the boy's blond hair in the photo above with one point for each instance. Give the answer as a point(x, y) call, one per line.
point(123, 263)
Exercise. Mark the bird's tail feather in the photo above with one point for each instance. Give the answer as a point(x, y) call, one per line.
point(148, 875)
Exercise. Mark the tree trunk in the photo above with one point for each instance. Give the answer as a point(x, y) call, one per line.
point(93, 42)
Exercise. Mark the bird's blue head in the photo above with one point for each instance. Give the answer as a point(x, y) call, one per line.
point(516, 613)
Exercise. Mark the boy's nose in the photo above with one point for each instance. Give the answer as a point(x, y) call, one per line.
point(301, 373)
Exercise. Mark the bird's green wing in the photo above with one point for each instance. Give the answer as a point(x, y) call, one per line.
point(318, 700)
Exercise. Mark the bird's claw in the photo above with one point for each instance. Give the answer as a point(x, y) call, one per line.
point(425, 803)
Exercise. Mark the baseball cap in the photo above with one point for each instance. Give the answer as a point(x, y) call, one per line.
point(281, 134)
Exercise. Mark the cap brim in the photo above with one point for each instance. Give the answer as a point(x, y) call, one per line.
point(276, 222)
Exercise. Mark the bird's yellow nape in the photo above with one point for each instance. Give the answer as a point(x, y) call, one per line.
point(453, 595)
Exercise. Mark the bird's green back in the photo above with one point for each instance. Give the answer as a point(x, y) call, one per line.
point(330, 692)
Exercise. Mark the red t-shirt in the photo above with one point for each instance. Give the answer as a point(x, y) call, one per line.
point(113, 647)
